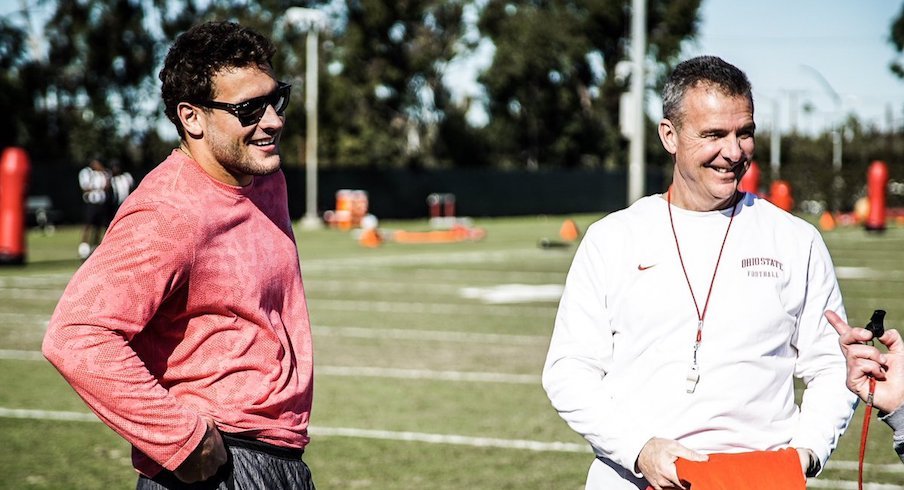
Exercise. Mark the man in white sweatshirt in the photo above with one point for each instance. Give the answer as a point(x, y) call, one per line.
point(686, 317)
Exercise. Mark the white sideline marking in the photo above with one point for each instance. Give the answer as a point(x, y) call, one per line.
point(436, 335)
point(427, 374)
point(566, 447)
point(514, 293)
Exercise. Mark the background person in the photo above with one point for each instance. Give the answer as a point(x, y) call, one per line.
point(686, 316)
point(94, 181)
point(121, 185)
point(187, 331)
point(888, 370)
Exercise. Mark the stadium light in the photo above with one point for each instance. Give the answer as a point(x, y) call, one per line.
point(311, 21)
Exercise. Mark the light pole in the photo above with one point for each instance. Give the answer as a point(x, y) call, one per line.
point(775, 143)
point(775, 137)
point(311, 21)
point(837, 128)
point(636, 163)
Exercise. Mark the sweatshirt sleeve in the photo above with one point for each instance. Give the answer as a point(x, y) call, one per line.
point(827, 404)
point(580, 355)
point(895, 420)
point(144, 257)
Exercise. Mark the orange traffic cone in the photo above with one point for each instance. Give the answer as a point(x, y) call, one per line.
point(826, 221)
point(370, 238)
point(569, 230)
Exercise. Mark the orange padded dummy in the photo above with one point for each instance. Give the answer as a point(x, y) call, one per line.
point(775, 470)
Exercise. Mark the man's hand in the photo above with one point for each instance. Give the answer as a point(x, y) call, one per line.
point(656, 462)
point(206, 459)
point(865, 360)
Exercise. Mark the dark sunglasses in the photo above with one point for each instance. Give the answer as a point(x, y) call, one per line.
point(251, 111)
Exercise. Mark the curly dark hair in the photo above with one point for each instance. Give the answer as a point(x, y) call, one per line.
point(709, 70)
point(201, 52)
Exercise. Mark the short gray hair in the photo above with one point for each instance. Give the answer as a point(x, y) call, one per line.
point(702, 70)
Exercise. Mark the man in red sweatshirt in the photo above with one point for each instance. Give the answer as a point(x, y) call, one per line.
point(187, 330)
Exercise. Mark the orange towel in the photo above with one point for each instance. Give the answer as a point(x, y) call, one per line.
point(775, 470)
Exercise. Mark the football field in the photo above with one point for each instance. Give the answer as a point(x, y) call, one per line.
point(427, 364)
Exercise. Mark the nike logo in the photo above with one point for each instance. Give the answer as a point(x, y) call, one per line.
point(644, 267)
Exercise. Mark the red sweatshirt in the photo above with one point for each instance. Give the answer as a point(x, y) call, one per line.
point(191, 307)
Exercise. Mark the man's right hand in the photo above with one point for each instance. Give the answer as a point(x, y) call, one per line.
point(656, 462)
point(865, 361)
point(206, 459)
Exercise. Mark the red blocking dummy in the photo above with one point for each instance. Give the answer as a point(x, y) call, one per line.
point(877, 180)
point(14, 170)
point(750, 182)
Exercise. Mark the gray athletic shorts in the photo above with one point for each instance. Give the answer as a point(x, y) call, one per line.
point(251, 465)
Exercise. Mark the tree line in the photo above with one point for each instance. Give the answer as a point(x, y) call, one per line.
point(549, 96)
point(549, 99)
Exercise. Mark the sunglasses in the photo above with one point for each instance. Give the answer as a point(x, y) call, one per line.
point(251, 111)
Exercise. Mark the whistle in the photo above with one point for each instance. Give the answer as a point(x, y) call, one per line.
point(876, 324)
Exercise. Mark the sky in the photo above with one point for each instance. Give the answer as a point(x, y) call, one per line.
point(788, 47)
point(795, 52)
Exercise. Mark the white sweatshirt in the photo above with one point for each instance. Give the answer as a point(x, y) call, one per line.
point(625, 329)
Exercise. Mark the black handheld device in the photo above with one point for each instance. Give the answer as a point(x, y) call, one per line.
point(876, 324)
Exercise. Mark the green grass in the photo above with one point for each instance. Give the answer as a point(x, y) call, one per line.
point(380, 315)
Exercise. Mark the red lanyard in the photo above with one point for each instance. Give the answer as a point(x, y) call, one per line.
point(867, 415)
point(693, 375)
